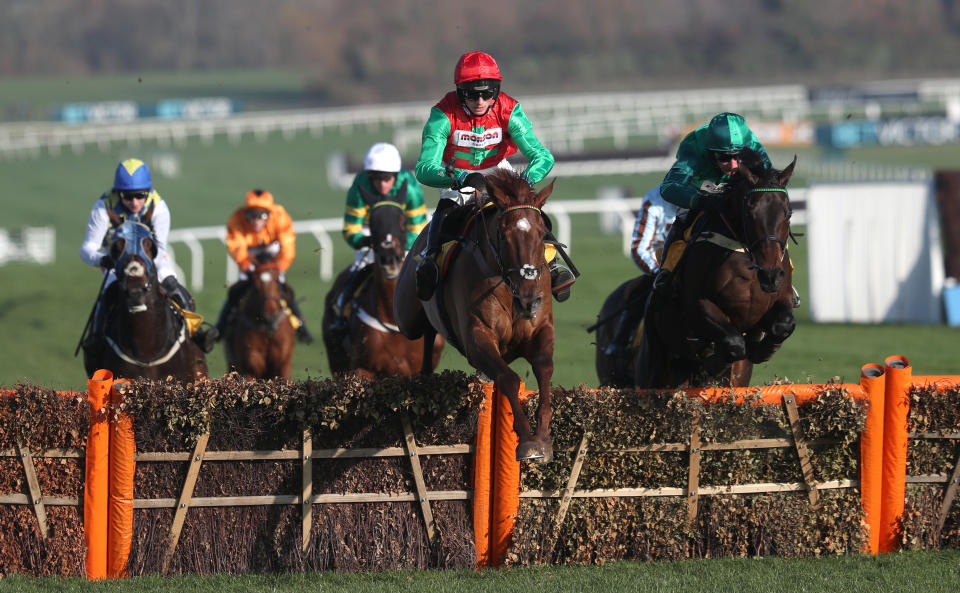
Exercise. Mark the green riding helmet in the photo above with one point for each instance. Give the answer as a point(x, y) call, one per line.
point(727, 132)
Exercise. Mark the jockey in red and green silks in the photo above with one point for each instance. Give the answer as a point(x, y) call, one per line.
point(475, 128)
point(478, 143)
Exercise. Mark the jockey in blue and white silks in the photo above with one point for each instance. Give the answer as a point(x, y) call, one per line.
point(130, 198)
point(650, 230)
point(133, 198)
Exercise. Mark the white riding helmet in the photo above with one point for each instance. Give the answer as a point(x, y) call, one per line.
point(382, 157)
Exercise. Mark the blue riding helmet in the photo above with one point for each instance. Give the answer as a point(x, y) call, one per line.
point(727, 132)
point(133, 233)
point(132, 174)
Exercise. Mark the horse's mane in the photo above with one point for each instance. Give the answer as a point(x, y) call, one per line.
point(511, 184)
point(754, 162)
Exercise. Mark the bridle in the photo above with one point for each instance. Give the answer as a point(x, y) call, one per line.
point(751, 249)
point(398, 205)
point(524, 271)
point(272, 322)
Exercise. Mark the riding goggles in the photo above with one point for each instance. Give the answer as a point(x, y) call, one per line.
point(726, 157)
point(380, 176)
point(137, 194)
point(257, 215)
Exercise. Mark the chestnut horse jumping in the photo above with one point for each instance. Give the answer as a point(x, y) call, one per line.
point(494, 301)
point(370, 343)
point(734, 307)
point(258, 341)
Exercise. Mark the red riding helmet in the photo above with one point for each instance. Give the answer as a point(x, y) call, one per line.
point(476, 65)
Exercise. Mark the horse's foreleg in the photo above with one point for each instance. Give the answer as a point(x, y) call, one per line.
point(716, 327)
point(429, 335)
point(484, 356)
point(777, 325)
point(542, 363)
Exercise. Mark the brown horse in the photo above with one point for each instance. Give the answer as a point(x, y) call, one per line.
point(494, 303)
point(734, 307)
point(258, 340)
point(144, 335)
point(370, 342)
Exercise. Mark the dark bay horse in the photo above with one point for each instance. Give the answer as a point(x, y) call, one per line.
point(145, 335)
point(494, 301)
point(371, 343)
point(618, 370)
point(734, 307)
point(258, 341)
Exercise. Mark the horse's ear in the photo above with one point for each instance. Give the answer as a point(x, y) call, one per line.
point(541, 198)
point(788, 172)
point(117, 248)
point(368, 198)
point(402, 192)
point(149, 246)
point(496, 195)
point(750, 176)
point(115, 219)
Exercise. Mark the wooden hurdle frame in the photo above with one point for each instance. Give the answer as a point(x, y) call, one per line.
point(109, 458)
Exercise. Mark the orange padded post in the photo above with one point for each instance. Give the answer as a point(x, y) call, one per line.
point(120, 505)
point(896, 407)
point(505, 476)
point(871, 454)
point(482, 494)
point(97, 475)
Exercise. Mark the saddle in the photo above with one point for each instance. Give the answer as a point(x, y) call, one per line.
point(239, 301)
point(350, 292)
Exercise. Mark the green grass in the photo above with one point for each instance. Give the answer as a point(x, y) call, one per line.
point(37, 96)
point(926, 572)
point(43, 308)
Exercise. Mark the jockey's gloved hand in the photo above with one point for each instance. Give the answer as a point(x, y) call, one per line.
point(273, 249)
point(106, 262)
point(714, 189)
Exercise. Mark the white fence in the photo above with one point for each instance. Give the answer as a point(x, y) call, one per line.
point(564, 122)
point(324, 229)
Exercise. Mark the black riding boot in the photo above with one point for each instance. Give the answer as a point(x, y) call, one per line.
point(343, 299)
point(204, 338)
point(303, 334)
point(561, 279)
point(662, 289)
point(428, 271)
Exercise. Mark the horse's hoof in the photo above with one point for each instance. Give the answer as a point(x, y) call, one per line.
point(529, 450)
point(547, 450)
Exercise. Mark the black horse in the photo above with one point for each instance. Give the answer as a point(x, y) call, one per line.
point(618, 370)
point(734, 305)
point(144, 335)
